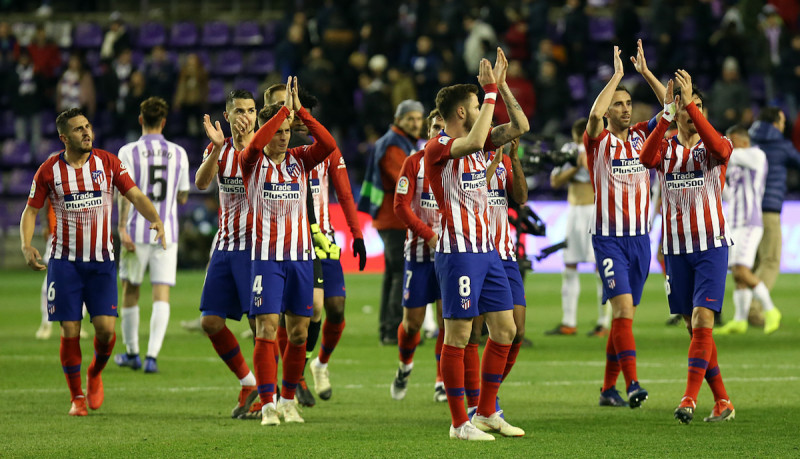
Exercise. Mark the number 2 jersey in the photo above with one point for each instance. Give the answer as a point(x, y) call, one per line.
point(160, 169)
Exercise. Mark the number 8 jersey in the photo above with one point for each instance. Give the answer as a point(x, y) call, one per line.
point(160, 169)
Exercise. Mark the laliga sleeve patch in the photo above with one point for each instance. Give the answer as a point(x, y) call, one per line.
point(33, 190)
point(402, 185)
point(444, 140)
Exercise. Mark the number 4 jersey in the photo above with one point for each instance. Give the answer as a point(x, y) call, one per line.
point(161, 169)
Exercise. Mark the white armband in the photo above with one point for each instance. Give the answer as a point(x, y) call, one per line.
point(669, 111)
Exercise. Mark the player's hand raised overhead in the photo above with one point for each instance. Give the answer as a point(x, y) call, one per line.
point(684, 81)
point(288, 100)
point(500, 67)
point(296, 95)
point(485, 75)
point(639, 62)
point(670, 108)
point(214, 131)
point(618, 62)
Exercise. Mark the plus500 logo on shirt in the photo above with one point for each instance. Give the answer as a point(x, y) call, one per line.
point(233, 185)
point(281, 191)
point(497, 198)
point(626, 166)
point(85, 200)
point(471, 181)
point(684, 180)
point(428, 201)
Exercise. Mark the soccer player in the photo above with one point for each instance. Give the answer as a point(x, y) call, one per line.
point(80, 184)
point(470, 272)
point(580, 199)
point(282, 252)
point(161, 168)
point(619, 236)
point(415, 205)
point(691, 169)
point(746, 179)
point(226, 290)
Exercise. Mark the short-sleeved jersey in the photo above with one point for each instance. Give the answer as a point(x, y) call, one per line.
point(160, 169)
point(235, 217)
point(499, 186)
point(413, 192)
point(333, 169)
point(459, 186)
point(82, 200)
point(746, 180)
point(621, 183)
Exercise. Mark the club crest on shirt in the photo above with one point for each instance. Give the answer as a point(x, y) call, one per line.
point(636, 142)
point(699, 155)
point(402, 185)
point(98, 177)
point(293, 170)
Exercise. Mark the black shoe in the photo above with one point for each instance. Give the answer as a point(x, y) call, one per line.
point(674, 320)
point(304, 396)
point(389, 341)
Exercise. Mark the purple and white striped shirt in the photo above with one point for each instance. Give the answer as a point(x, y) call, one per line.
point(746, 178)
point(161, 169)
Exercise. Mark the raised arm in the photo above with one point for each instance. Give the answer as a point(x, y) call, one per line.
point(518, 123)
point(265, 133)
point(498, 157)
point(718, 147)
point(519, 186)
point(209, 167)
point(476, 139)
point(324, 145)
point(595, 125)
point(650, 156)
point(640, 64)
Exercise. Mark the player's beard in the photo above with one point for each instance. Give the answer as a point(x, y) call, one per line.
point(78, 146)
point(469, 121)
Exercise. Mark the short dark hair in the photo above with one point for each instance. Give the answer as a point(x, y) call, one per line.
point(307, 100)
point(737, 129)
point(62, 121)
point(770, 114)
point(272, 90)
point(695, 92)
point(268, 112)
point(579, 126)
point(153, 110)
point(621, 87)
point(450, 97)
point(238, 94)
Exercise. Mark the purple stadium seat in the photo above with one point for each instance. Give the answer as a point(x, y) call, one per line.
point(19, 182)
point(47, 148)
point(228, 62)
point(183, 35)
point(48, 123)
point(16, 154)
point(248, 84)
point(6, 123)
point(247, 33)
point(758, 88)
point(87, 35)
point(215, 33)
point(577, 87)
point(204, 57)
point(270, 33)
point(152, 34)
point(601, 29)
point(260, 62)
point(113, 144)
point(688, 31)
point(216, 91)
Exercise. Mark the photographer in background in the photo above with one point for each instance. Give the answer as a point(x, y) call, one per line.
point(580, 197)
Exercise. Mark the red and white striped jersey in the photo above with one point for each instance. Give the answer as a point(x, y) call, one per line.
point(416, 206)
point(277, 192)
point(333, 169)
point(160, 169)
point(621, 183)
point(82, 200)
point(499, 186)
point(692, 180)
point(235, 217)
point(459, 186)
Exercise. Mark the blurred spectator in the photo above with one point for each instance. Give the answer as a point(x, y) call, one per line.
point(729, 39)
point(76, 88)
point(480, 43)
point(575, 35)
point(626, 31)
point(700, 10)
point(46, 60)
point(789, 75)
point(516, 37)
point(663, 23)
point(9, 50)
point(22, 86)
point(402, 87)
point(123, 68)
point(552, 96)
point(547, 51)
point(191, 96)
point(730, 98)
point(425, 65)
point(128, 111)
point(318, 75)
point(290, 51)
point(537, 12)
point(523, 91)
point(159, 74)
point(116, 38)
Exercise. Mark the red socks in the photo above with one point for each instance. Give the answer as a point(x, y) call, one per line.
point(282, 338)
point(331, 333)
point(700, 352)
point(452, 365)
point(625, 346)
point(438, 351)
point(71, 364)
point(294, 361)
point(494, 361)
point(228, 350)
point(265, 367)
point(612, 365)
point(472, 374)
point(713, 376)
point(406, 344)
point(102, 351)
point(512, 358)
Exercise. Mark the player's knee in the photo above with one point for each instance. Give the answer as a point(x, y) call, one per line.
point(520, 334)
point(411, 327)
point(298, 335)
point(334, 309)
point(212, 324)
point(103, 335)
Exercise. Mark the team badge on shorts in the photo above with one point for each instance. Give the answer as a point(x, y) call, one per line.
point(406, 294)
point(257, 301)
point(98, 177)
point(465, 303)
point(51, 308)
point(611, 284)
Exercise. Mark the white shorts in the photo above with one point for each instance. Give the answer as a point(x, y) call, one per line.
point(579, 239)
point(163, 264)
point(745, 245)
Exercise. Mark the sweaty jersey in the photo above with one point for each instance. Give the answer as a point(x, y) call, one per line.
point(459, 186)
point(416, 206)
point(82, 200)
point(334, 169)
point(621, 183)
point(160, 169)
point(235, 217)
point(746, 180)
point(499, 187)
point(277, 191)
point(692, 179)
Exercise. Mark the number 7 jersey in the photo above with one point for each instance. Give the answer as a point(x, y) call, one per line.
point(160, 169)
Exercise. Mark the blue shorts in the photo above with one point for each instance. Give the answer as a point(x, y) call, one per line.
point(420, 285)
point(226, 290)
point(282, 286)
point(623, 264)
point(696, 280)
point(70, 284)
point(515, 281)
point(333, 278)
point(472, 284)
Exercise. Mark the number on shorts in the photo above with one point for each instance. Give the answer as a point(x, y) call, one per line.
point(608, 267)
point(51, 291)
point(257, 285)
point(463, 286)
point(408, 278)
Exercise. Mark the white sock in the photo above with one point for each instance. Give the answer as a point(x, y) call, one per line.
point(603, 310)
point(761, 292)
point(570, 290)
point(438, 384)
point(406, 367)
point(741, 301)
point(43, 301)
point(130, 329)
point(249, 380)
point(159, 320)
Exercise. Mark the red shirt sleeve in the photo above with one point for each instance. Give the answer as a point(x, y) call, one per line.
point(650, 155)
point(437, 150)
point(313, 154)
point(718, 147)
point(249, 157)
point(341, 183)
point(122, 179)
point(404, 193)
point(40, 187)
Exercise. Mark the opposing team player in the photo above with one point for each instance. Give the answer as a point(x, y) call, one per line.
point(80, 184)
point(691, 169)
point(161, 168)
point(746, 180)
point(226, 290)
point(282, 252)
point(470, 272)
point(415, 205)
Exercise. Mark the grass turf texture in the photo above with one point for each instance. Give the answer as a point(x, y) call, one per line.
point(552, 391)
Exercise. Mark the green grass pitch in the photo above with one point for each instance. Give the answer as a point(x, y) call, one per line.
point(551, 393)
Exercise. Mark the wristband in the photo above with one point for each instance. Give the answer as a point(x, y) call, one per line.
point(491, 93)
point(669, 111)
